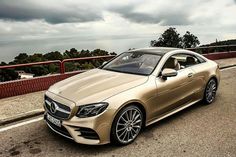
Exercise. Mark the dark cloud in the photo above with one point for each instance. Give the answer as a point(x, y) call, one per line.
point(53, 12)
point(128, 13)
point(162, 18)
point(178, 18)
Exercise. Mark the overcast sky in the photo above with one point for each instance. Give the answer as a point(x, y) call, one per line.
point(48, 25)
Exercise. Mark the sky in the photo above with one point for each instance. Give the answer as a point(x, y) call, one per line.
point(30, 26)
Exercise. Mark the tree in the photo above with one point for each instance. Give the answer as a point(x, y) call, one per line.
point(170, 38)
point(53, 56)
point(87, 65)
point(113, 53)
point(53, 68)
point(85, 53)
point(7, 74)
point(36, 57)
point(189, 40)
point(73, 53)
point(21, 58)
point(99, 52)
point(70, 66)
point(39, 70)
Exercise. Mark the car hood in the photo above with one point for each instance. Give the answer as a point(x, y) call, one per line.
point(95, 85)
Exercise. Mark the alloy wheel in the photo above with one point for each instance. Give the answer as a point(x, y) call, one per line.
point(129, 125)
point(210, 91)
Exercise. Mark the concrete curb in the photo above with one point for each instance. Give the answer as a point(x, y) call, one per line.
point(21, 116)
point(228, 66)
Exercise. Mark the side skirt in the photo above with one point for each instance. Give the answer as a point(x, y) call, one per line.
point(172, 112)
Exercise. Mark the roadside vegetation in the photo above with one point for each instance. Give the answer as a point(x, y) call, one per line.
point(171, 38)
point(40, 70)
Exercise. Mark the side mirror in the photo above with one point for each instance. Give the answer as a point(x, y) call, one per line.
point(167, 72)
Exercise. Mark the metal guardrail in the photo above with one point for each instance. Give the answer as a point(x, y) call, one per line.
point(204, 47)
point(30, 64)
point(212, 49)
point(62, 67)
point(60, 63)
point(24, 86)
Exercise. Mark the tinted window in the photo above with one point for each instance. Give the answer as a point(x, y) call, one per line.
point(134, 62)
point(201, 59)
point(186, 60)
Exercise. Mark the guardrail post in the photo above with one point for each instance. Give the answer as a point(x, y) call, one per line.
point(62, 67)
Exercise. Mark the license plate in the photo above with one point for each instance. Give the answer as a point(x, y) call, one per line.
point(53, 120)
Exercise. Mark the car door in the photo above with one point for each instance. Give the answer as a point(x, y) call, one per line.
point(172, 92)
point(199, 77)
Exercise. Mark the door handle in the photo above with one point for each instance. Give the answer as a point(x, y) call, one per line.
point(190, 74)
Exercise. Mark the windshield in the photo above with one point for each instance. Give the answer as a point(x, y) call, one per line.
point(134, 63)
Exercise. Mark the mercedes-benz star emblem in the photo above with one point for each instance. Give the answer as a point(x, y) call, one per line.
point(54, 107)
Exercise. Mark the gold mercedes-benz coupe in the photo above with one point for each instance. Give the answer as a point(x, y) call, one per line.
point(135, 89)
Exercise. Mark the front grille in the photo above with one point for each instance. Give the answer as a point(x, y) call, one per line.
point(61, 129)
point(88, 133)
point(63, 111)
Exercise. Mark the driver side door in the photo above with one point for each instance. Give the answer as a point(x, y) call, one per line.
point(172, 92)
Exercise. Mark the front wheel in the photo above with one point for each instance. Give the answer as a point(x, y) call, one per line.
point(210, 91)
point(127, 125)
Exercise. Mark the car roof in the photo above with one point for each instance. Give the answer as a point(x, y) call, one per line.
point(155, 50)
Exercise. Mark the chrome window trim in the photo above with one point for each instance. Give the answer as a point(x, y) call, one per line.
point(176, 52)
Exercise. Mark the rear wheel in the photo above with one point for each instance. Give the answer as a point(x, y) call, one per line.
point(127, 125)
point(210, 91)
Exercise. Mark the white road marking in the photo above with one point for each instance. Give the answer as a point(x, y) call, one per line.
point(20, 124)
point(41, 118)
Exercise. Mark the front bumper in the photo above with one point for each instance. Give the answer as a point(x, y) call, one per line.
point(83, 130)
point(92, 130)
point(59, 130)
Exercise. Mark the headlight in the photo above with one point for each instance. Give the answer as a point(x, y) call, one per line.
point(91, 109)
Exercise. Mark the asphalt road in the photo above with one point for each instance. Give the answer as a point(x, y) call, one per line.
point(197, 131)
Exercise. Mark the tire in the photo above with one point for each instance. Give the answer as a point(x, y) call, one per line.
point(126, 125)
point(210, 91)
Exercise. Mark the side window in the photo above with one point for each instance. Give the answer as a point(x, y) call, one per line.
point(171, 63)
point(201, 60)
point(186, 60)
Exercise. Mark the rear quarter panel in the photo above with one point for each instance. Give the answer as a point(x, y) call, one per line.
point(203, 73)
